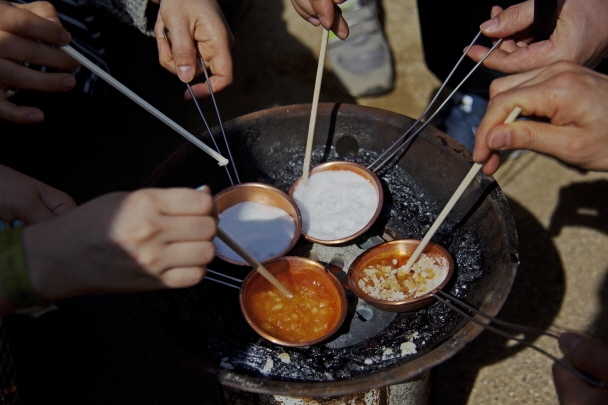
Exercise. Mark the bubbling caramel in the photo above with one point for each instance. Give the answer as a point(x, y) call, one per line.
point(312, 312)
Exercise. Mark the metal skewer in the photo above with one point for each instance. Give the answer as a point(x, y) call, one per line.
point(217, 112)
point(238, 280)
point(222, 161)
point(444, 298)
point(404, 140)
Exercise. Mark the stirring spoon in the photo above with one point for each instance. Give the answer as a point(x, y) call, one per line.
point(315, 104)
point(232, 244)
point(448, 207)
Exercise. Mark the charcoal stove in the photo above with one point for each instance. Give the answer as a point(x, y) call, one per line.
point(268, 147)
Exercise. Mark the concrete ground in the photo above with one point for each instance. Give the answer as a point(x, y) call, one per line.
point(560, 212)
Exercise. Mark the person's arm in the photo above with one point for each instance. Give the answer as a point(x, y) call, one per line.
point(145, 240)
point(573, 104)
point(580, 36)
point(30, 34)
point(29, 200)
point(195, 25)
point(325, 13)
point(589, 356)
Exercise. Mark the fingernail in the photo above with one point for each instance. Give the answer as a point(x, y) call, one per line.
point(158, 16)
point(342, 34)
point(53, 19)
point(499, 141)
point(68, 82)
point(35, 117)
point(570, 341)
point(314, 21)
point(204, 187)
point(324, 22)
point(475, 156)
point(490, 25)
point(185, 73)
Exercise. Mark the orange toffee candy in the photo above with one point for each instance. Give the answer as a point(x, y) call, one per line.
point(312, 312)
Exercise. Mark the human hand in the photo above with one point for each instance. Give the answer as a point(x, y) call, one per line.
point(589, 356)
point(123, 242)
point(29, 200)
point(580, 36)
point(325, 13)
point(574, 99)
point(195, 25)
point(28, 35)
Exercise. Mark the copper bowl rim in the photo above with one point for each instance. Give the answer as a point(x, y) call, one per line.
point(402, 305)
point(297, 216)
point(347, 165)
point(314, 265)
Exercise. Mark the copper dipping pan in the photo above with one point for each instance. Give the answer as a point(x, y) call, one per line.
point(263, 194)
point(384, 253)
point(358, 169)
point(293, 264)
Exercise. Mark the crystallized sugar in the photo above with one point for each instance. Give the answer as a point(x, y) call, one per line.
point(335, 204)
point(268, 366)
point(262, 230)
point(394, 284)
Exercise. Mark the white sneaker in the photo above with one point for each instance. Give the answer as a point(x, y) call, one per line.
point(363, 62)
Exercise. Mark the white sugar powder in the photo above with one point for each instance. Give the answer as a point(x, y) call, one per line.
point(262, 230)
point(335, 204)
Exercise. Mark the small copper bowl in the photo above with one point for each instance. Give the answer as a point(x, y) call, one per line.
point(384, 254)
point(263, 194)
point(355, 168)
point(325, 297)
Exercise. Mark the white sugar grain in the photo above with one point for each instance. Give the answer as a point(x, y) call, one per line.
point(262, 230)
point(335, 204)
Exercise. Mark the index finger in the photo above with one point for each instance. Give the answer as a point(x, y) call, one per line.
point(182, 48)
point(184, 201)
point(19, 20)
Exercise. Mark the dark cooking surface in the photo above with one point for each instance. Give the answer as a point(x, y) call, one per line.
point(213, 313)
point(269, 147)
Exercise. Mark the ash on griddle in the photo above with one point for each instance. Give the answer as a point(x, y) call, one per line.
point(224, 338)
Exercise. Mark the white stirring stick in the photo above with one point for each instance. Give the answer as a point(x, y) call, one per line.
point(232, 244)
point(457, 194)
point(222, 161)
point(315, 105)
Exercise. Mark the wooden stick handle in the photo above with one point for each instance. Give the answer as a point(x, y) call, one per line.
point(457, 194)
point(224, 237)
point(315, 106)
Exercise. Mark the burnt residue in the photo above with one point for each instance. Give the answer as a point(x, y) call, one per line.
point(221, 336)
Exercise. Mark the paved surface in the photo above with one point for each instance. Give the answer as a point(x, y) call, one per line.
point(560, 212)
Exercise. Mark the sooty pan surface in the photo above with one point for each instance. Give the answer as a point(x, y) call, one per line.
point(269, 147)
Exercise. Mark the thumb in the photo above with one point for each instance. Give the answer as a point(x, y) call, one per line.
point(509, 22)
point(531, 135)
point(56, 201)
